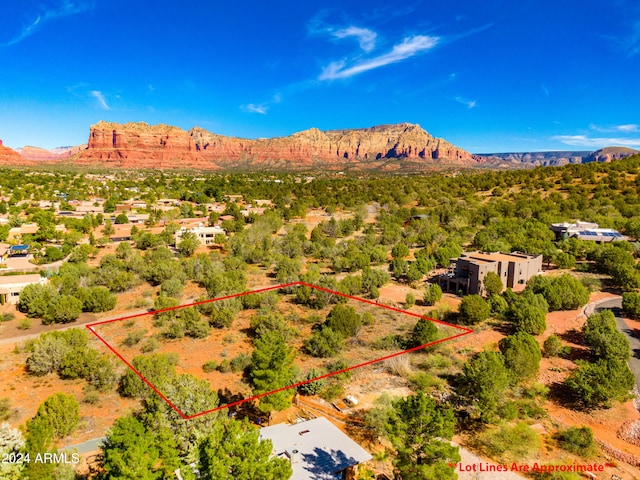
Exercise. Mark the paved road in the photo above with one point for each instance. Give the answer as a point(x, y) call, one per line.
point(615, 305)
point(89, 446)
point(61, 326)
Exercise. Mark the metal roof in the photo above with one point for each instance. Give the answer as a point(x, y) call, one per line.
point(317, 449)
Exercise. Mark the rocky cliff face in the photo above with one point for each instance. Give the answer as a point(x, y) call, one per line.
point(138, 145)
point(9, 156)
point(42, 155)
point(610, 153)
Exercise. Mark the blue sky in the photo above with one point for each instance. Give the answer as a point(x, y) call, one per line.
point(488, 76)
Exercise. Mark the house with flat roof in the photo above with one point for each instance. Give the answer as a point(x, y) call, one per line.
point(206, 235)
point(466, 274)
point(12, 285)
point(317, 449)
point(586, 231)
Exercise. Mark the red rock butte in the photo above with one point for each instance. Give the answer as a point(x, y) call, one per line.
point(139, 145)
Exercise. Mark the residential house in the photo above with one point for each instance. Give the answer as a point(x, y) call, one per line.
point(317, 450)
point(12, 285)
point(586, 231)
point(466, 274)
point(206, 235)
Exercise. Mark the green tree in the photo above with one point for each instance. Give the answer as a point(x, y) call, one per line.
point(631, 304)
point(38, 441)
point(484, 380)
point(108, 229)
point(423, 332)
point(419, 429)
point(271, 369)
point(400, 250)
point(492, 284)
point(64, 309)
point(604, 338)
point(158, 369)
point(597, 384)
point(474, 309)
point(522, 356)
point(234, 451)
point(324, 343)
point(61, 412)
point(36, 298)
point(99, 299)
point(529, 318)
point(344, 320)
point(121, 219)
point(432, 293)
point(130, 452)
point(188, 245)
point(561, 293)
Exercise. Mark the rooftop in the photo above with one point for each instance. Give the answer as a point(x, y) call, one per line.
point(317, 449)
point(497, 257)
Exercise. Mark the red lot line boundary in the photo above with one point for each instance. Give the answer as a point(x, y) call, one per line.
point(91, 327)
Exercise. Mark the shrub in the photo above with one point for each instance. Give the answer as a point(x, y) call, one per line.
point(240, 363)
point(225, 366)
point(331, 392)
point(424, 331)
point(63, 309)
point(344, 320)
point(604, 338)
point(631, 304)
point(5, 409)
point(553, 347)
point(493, 284)
point(324, 343)
point(25, 324)
point(312, 388)
point(473, 309)
point(578, 440)
point(597, 384)
point(561, 293)
point(210, 366)
point(133, 338)
point(432, 294)
point(410, 300)
point(521, 355)
point(149, 345)
point(510, 443)
point(529, 319)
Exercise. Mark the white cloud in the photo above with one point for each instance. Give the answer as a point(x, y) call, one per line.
point(469, 103)
point(62, 8)
point(596, 142)
point(253, 108)
point(625, 128)
point(366, 38)
point(409, 47)
point(630, 127)
point(100, 98)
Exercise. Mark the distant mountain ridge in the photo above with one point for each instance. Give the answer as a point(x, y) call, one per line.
point(141, 145)
point(398, 148)
point(558, 158)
